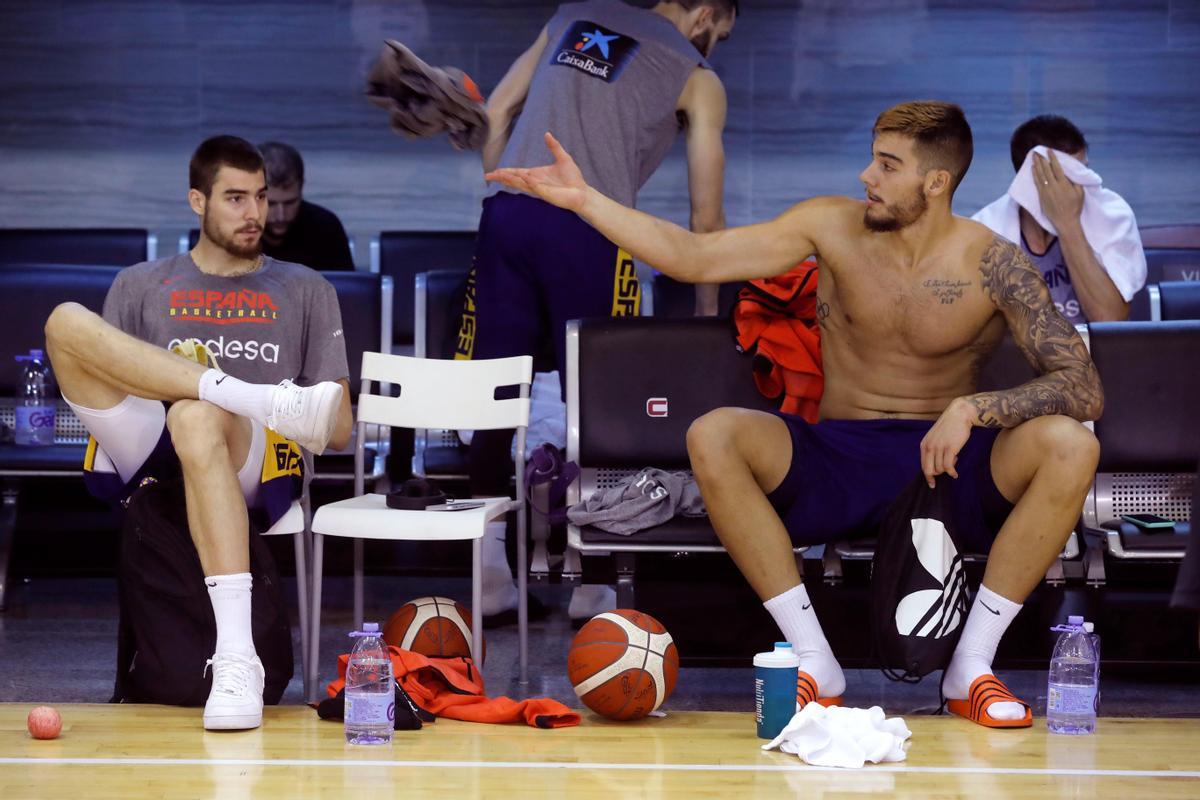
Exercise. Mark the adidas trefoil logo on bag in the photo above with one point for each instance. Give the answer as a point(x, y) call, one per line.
point(934, 612)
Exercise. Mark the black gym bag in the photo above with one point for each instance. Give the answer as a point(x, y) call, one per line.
point(919, 596)
point(167, 630)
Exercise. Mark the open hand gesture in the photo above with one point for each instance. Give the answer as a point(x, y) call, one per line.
point(560, 183)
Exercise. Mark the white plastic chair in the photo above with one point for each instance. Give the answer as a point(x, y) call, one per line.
point(294, 522)
point(433, 394)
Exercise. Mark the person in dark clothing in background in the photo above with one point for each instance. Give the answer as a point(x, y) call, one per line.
point(297, 230)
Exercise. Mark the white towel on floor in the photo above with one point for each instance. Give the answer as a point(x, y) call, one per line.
point(843, 737)
point(1107, 220)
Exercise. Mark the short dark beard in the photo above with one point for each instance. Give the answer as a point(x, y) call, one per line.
point(703, 44)
point(228, 244)
point(901, 215)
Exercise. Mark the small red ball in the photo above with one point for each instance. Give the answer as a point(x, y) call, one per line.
point(44, 723)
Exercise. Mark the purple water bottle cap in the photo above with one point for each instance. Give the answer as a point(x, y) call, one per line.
point(1075, 620)
point(369, 629)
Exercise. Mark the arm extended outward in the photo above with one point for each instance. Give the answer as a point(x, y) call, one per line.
point(744, 253)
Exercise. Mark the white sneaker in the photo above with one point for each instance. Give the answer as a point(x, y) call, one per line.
point(236, 699)
point(305, 414)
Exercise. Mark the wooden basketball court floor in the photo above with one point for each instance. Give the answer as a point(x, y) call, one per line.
point(133, 752)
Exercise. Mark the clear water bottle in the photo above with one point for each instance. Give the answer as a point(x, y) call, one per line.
point(370, 714)
point(1090, 629)
point(36, 401)
point(1073, 691)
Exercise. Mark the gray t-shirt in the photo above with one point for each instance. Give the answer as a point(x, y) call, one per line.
point(606, 86)
point(1054, 271)
point(281, 321)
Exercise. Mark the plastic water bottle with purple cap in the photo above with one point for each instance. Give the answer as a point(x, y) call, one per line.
point(370, 714)
point(35, 404)
point(1073, 691)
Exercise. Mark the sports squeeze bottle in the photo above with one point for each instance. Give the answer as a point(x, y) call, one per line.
point(775, 674)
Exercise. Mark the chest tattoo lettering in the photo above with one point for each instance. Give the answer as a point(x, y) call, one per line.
point(946, 291)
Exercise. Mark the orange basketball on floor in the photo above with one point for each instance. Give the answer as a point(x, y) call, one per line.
point(623, 664)
point(432, 626)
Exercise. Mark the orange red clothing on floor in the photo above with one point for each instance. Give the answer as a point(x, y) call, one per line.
point(453, 688)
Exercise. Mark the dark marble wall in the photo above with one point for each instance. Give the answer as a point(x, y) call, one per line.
point(101, 103)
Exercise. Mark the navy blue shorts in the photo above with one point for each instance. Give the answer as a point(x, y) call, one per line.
point(536, 267)
point(846, 473)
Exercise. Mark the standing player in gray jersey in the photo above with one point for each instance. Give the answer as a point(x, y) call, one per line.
point(232, 429)
point(616, 84)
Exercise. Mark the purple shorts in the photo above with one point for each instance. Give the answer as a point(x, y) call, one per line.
point(846, 473)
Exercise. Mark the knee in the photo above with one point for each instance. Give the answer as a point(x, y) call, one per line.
point(197, 429)
point(712, 437)
point(1069, 446)
point(65, 317)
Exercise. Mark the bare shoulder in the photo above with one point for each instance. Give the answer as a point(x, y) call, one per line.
point(840, 211)
point(702, 90)
point(1006, 274)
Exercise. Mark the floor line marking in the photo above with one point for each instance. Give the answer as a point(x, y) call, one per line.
point(576, 765)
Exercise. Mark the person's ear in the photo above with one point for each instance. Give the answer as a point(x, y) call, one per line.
point(937, 181)
point(704, 20)
point(197, 201)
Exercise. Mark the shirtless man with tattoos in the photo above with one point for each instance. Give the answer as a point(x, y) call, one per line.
point(912, 299)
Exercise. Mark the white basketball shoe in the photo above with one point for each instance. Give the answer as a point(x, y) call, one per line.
point(236, 699)
point(305, 414)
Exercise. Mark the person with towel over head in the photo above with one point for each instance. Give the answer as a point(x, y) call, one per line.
point(1081, 236)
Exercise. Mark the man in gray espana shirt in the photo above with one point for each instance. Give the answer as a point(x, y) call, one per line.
point(265, 368)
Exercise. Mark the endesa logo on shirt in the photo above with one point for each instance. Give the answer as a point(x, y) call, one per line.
point(595, 50)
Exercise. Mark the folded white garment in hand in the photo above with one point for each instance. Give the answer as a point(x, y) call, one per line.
point(1107, 220)
point(843, 737)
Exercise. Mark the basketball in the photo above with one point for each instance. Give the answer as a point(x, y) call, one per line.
point(623, 664)
point(436, 627)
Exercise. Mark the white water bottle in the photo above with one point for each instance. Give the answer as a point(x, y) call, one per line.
point(35, 402)
point(370, 714)
point(1073, 689)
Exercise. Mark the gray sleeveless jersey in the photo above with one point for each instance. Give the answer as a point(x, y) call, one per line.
point(606, 86)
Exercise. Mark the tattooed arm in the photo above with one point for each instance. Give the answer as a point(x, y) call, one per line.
point(1068, 383)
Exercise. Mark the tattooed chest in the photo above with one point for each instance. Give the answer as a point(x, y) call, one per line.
point(927, 317)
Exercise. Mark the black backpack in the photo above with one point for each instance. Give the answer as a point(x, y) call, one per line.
point(167, 630)
point(919, 596)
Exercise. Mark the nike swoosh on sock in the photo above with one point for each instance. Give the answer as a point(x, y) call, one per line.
point(989, 608)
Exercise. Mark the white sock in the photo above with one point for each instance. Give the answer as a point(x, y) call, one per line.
point(990, 617)
point(499, 588)
point(230, 597)
point(793, 613)
point(251, 400)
